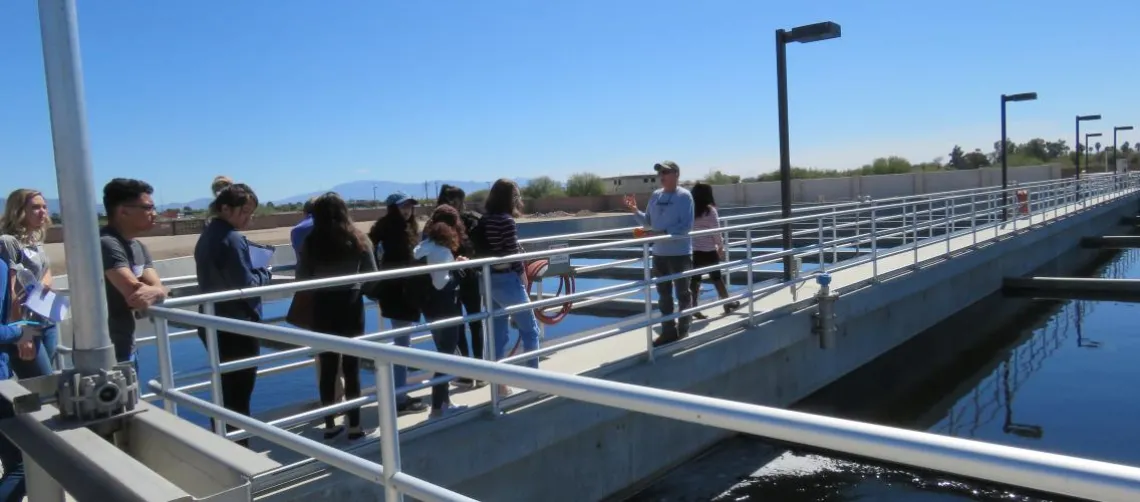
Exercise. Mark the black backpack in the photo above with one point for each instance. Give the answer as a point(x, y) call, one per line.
point(478, 235)
point(419, 287)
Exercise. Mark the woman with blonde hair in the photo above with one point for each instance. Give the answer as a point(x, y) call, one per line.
point(22, 230)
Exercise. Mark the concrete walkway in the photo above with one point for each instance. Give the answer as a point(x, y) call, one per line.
point(600, 357)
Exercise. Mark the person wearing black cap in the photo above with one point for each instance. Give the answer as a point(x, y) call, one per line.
point(669, 211)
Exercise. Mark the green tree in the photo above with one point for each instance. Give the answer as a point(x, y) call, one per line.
point(542, 187)
point(957, 158)
point(719, 178)
point(585, 184)
point(976, 159)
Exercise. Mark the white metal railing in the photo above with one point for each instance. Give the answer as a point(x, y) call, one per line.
point(946, 216)
point(911, 219)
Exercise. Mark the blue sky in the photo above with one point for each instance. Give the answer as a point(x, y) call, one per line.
point(297, 95)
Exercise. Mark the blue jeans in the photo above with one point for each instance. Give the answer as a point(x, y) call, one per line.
point(506, 290)
point(399, 373)
point(39, 366)
point(50, 341)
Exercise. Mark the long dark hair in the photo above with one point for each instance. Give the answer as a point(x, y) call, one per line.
point(333, 236)
point(504, 198)
point(445, 228)
point(702, 199)
point(393, 222)
point(452, 196)
point(230, 194)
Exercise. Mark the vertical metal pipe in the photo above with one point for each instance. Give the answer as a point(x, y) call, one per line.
point(835, 237)
point(647, 276)
point(1004, 163)
point(874, 247)
point(59, 33)
point(947, 212)
point(389, 430)
point(165, 364)
point(489, 333)
point(1077, 158)
point(914, 232)
point(751, 300)
point(785, 149)
point(819, 230)
point(974, 219)
point(214, 359)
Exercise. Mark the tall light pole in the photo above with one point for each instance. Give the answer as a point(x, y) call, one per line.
point(1081, 118)
point(1025, 96)
point(1115, 153)
point(803, 34)
point(1087, 136)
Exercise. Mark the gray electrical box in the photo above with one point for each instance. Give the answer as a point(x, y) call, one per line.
point(559, 263)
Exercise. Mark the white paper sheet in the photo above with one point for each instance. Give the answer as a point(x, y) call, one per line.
point(260, 256)
point(48, 304)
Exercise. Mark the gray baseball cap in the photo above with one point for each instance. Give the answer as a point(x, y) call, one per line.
point(667, 167)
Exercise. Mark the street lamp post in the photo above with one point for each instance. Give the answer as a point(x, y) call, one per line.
point(1115, 152)
point(803, 34)
point(1087, 136)
point(1025, 96)
point(1077, 157)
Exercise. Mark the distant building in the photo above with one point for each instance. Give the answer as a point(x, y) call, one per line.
point(634, 183)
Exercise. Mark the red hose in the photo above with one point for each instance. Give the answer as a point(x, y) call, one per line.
point(534, 271)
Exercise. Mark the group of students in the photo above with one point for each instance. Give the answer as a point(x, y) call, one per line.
point(328, 244)
point(28, 341)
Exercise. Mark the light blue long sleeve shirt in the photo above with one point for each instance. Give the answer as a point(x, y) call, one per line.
point(671, 213)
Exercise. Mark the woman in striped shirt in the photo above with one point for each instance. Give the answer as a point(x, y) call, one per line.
point(508, 288)
point(708, 250)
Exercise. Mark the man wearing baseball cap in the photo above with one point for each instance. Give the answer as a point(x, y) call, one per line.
point(670, 211)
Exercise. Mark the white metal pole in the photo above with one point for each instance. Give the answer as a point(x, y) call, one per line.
point(59, 32)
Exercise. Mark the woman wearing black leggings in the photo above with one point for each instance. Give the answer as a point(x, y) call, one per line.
point(336, 248)
point(223, 263)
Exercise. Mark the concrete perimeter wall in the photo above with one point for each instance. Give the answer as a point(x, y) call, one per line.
point(562, 450)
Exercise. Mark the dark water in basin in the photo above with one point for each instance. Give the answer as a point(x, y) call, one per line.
point(1059, 377)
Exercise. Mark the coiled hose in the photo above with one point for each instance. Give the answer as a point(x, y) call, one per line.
point(534, 273)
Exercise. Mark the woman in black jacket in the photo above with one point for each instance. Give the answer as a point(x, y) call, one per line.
point(395, 236)
point(336, 248)
point(223, 263)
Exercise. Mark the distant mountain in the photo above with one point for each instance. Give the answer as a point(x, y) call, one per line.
point(363, 189)
point(358, 190)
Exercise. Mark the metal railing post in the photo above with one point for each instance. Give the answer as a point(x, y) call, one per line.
point(822, 256)
point(489, 337)
point(974, 219)
point(835, 237)
point(948, 214)
point(751, 299)
point(389, 430)
point(216, 392)
point(874, 247)
point(646, 265)
point(541, 326)
point(914, 232)
point(165, 362)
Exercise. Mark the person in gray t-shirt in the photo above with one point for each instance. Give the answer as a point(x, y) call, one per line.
point(132, 282)
point(23, 227)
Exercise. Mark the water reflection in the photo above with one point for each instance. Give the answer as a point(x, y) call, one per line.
point(1021, 369)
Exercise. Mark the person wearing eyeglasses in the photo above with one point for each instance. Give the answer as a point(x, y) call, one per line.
point(669, 212)
point(132, 282)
